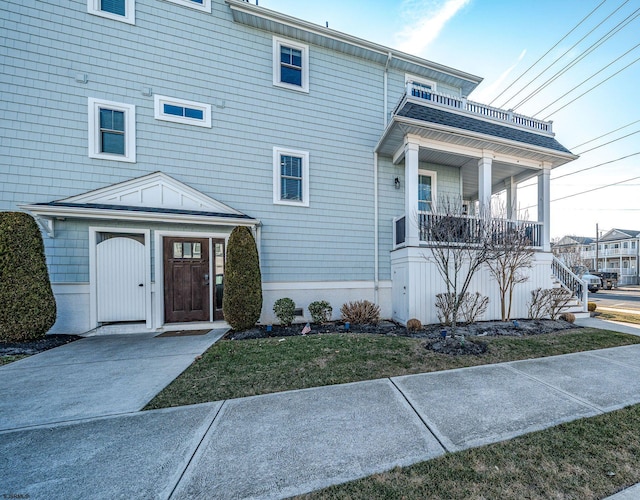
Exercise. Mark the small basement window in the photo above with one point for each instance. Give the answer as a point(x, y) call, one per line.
point(180, 111)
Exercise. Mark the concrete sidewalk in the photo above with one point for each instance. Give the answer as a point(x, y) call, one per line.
point(283, 444)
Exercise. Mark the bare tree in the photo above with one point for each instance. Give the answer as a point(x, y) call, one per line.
point(457, 248)
point(509, 254)
point(569, 254)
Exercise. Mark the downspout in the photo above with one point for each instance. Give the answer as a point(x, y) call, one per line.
point(376, 215)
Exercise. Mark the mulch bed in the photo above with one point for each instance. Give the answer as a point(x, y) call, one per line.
point(516, 328)
point(35, 346)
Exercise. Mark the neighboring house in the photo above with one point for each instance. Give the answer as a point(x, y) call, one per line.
point(618, 251)
point(138, 133)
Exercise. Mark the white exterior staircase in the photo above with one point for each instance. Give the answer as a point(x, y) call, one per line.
point(563, 277)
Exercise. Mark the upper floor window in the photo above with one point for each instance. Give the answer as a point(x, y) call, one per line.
point(204, 5)
point(421, 88)
point(290, 177)
point(120, 10)
point(181, 111)
point(112, 134)
point(290, 65)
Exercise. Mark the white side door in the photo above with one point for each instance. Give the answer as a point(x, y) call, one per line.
point(120, 277)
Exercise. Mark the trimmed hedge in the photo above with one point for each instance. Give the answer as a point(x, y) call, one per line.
point(27, 304)
point(242, 299)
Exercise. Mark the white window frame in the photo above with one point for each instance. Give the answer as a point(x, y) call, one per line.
point(423, 81)
point(277, 185)
point(129, 110)
point(93, 7)
point(159, 114)
point(434, 189)
point(205, 6)
point(283, 42)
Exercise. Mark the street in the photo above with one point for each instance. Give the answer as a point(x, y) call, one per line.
point(627, 298)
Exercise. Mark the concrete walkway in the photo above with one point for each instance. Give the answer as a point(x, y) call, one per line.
point(94, 377)
point(279, 445)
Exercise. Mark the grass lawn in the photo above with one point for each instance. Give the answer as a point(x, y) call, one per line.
point(233, 369)
point(619, 316)
point(5, 360)
point(586, 459)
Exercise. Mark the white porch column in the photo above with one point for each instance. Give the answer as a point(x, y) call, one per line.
point(512, 198)
point(484, 182)
point(412, 237)
point(544, 206)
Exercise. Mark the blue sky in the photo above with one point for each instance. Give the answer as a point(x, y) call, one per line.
point(498, 40)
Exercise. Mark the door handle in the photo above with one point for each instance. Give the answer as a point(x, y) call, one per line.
point(141, 284)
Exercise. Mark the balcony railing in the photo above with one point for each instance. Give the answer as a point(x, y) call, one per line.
point(467, 230)
point(424, 93)
point(611, 252)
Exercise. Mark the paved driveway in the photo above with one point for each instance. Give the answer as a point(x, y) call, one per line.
point(94, 377)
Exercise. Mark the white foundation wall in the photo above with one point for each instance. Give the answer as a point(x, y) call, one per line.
point(336, 293)
point(73, 301)
point(72, 308)
point(416, 281)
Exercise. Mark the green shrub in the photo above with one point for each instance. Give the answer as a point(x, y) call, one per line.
point(592, 306)
point(320, 311)
point(27, 304)
point(361, 312)
point(284, 310)
point(242, 299)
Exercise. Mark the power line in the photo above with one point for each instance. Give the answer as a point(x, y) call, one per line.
point(607, 143)
point(564, 54)
point(592, 88)
point(585, 169)
point(596, 189)
point(585, 81)
point(547, 52)
point(615, 30)
point(604, 135)
point(589, 191)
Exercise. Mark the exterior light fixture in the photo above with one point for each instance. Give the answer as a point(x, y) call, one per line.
point(397, 183)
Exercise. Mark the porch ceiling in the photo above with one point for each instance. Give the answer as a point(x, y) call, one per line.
point(468, 166)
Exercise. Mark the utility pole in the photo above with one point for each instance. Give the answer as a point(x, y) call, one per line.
point(597, 248)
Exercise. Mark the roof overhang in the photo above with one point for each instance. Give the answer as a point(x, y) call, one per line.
point(47, 213)
point(449, 138)
point(275, 22)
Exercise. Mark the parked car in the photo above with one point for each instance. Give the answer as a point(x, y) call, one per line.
point(609, 280)
point(594, 283)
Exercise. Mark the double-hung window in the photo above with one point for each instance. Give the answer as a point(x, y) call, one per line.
point(120, 10)
point(426, 191)
point(181, 111)
point(290, 65)
point(112, 134)
point(290, 177)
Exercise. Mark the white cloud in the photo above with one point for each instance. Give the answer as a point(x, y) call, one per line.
point(426, 20)
point(486, 93)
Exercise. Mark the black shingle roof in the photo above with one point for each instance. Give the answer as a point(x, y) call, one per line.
point(126, 208)
point(435, 115)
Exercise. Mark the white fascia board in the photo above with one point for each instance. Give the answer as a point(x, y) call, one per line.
point(278, 17)
point(135, 216)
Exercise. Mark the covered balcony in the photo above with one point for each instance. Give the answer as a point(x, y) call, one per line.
point(483, 151)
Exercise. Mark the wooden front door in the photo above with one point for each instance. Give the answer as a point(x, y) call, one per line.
point(186, 279)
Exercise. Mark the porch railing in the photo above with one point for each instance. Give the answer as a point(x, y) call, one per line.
point(425, 93)
point(474, 230)
point(571, 282)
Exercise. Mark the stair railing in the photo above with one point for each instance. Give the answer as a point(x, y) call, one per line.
point(571, 282)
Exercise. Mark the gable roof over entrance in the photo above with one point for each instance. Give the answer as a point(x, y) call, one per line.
point(156, 197)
